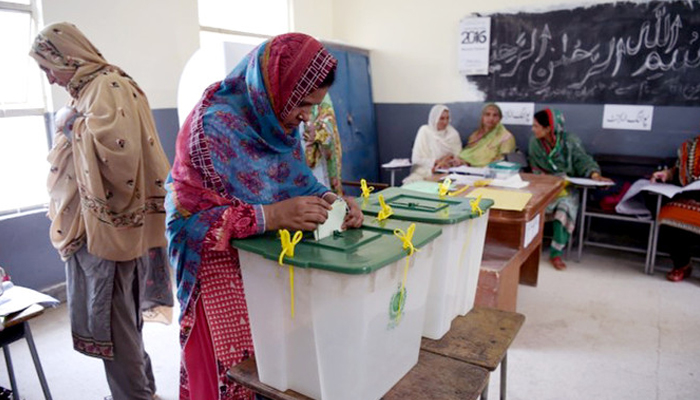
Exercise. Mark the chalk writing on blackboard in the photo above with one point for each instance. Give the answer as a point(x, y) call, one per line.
point(610, 53)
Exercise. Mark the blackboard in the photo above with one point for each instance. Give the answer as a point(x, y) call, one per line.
point(615, 53)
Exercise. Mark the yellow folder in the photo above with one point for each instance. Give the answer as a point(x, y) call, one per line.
point(503, 199)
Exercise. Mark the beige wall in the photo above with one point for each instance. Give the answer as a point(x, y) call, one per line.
point(313, 17)
point(151, 40)
point(413, 43)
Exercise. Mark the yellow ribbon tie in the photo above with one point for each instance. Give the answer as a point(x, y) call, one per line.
point(444, 187)
point(288, 245)
point(406, 239)
point(475, 205)
point(366, 190)
point(459, 191)
point(385, 211)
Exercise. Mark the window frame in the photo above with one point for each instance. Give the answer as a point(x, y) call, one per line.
point(231, 32)
point(32, 9)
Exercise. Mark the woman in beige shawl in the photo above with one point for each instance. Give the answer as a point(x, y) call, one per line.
point(106, 189)
point(435, 144)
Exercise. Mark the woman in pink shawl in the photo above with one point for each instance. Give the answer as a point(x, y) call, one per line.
point(239, 171)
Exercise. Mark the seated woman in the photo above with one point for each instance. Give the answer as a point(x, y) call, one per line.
point(491, 142)
point(322, 145)
point(436, 144)
point(682, 213)
point(552, 150)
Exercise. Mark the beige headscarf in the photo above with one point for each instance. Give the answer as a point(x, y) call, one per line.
point(432, 144)
point(106, 180)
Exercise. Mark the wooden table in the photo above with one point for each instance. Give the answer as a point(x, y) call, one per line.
point(434, 377)
point(508, 227)
point(16, 327)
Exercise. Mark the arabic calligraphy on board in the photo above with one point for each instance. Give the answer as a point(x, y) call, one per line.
point(629, 53)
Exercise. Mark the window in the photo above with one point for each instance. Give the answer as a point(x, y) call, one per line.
point(242, 21)
point(23, 133)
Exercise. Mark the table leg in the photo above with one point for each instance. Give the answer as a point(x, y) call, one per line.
point(485, 393)
point(11, 372)
point(531, 267)
point(393, 171)
point(655, 239)
point(504, 378)
point(581, 224)
point(37, 363)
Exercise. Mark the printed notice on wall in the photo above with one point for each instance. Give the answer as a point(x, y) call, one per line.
point(474, 44)
point(531, 230)
point(636, 118)
point(517, 113)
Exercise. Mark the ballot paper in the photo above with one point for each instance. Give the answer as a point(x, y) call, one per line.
point(336, 216)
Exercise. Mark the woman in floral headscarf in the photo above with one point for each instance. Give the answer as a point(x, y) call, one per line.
point(682, 213)
point(106, 208)
point(239, 171)
point(553, 150)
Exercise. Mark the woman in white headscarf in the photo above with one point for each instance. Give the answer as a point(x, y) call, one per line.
point(436, 144)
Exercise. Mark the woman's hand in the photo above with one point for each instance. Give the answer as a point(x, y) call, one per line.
point(354, 217)
point(64, 119)
point(444, 162)
point(597, 177)
point(298, 213)
point(664, 175)
point(309, 132)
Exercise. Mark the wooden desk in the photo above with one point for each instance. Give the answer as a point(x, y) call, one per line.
point(434, 377)
point(16, 327)
point(508, 227)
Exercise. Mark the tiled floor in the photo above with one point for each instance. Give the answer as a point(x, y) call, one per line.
point(599, 330)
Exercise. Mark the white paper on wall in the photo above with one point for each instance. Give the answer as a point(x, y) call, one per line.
point(631, 117)
point(517, 113)
point(474, 45)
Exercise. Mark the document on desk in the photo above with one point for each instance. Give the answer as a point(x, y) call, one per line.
point(17, 298)
point(633, 204)
point(465, 170)
point(588, 182)
point(503, 199)
point(397, 163)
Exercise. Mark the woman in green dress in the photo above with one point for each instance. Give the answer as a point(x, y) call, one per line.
point(554, 151)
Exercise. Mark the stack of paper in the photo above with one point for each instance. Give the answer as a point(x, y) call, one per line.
point(17, 298)
point(397, 163)
point(513, 182)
